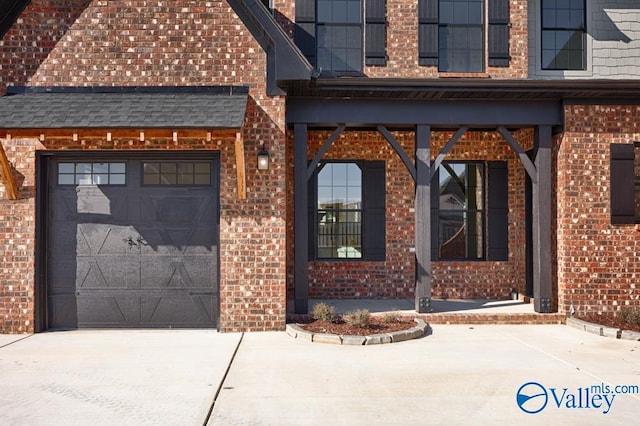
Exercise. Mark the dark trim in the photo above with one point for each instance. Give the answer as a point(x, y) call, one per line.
point(409, 113)
point(284, 59)
point(446, 150)
point(10, 11)
point(542, 273)
point(622, 184)
point(217, 90)
point(41, 305)
point(301, 220)
point(423, 219)
point(398, 149)
point(524, 158)
point(323, 150)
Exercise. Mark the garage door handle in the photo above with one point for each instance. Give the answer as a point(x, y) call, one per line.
point(201, 293)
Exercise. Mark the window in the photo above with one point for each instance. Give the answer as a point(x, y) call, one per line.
point(460, 36)
point(469, 218)
point(177, 173)
point(563, 34)
point(625, 183)
point(339, 35)
point(336, 35)
point(461, 211)
point(347, 211)
point(92, 173)
point(451, 34)
point(339, 211)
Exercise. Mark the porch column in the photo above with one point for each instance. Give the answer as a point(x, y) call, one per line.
point(423, 219)
point(542, 222)
point(301, 219)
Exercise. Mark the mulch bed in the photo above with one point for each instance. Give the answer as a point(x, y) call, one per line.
point(339, 327)
point(609, 321)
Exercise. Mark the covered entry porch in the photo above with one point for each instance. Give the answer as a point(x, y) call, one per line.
point(525, 127)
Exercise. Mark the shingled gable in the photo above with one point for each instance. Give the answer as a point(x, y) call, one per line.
point(284, 59)
point(124, 107)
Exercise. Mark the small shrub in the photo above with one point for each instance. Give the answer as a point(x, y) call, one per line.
point(632, 316)
point(357, 318)
point(323, 312)
point(390, 317)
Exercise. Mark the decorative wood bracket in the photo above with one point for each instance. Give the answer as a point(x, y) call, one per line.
point(240, 167)
point(7, 175)
point(526, 161)
point(398, 148)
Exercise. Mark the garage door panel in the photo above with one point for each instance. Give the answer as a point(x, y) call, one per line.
point(132, 255)
point(112, 272)
point(189, 272)
point(179, 309)
point(104, 239)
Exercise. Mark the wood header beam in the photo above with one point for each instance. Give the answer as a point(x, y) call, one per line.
point(240, 167)
point(7, 174)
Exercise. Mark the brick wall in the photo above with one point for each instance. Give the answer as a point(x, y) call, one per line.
point(169, 43)
point(598, 263)
point(402, 45)
point(395, 277)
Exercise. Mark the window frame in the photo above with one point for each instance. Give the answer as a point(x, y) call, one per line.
point(338, 211)
point(457, 26)
point(334, 25)
point(467, 212)
point(76, 173)
point(177, 163)
point(581, 28)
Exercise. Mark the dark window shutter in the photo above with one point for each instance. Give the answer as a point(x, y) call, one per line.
point(428, 32)
point(312, 197)
point(376, 32)
point(498, 33)
point(622, 184)
point(305, 30)
point(498, 210)
point(435, 207)
point(374, 203)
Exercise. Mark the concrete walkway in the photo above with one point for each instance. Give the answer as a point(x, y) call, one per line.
point(457, 375)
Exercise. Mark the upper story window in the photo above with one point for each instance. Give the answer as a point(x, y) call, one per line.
point(452, 34)
point(563, 34)
point(341, 36)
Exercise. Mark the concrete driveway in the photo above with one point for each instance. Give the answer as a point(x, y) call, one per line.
point(457, 375)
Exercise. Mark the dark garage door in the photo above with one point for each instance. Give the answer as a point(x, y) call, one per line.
point(132, 243)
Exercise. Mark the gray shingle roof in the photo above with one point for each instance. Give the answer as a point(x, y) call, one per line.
point(180, 108)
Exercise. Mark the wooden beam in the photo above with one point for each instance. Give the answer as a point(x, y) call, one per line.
point(240, 167)
point(423, 219)
point(398, 149)
point(524, 158)
point(323, 150)
point(446, 150)
point(301, 219)
point(7, 174)
point(542, 271)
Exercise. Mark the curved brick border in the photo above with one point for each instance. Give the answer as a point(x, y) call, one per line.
point(418, 330)
point(600, 330)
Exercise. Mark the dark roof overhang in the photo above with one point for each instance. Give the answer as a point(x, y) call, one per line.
point(574, 90)
point(124, 107)
point(284, 59)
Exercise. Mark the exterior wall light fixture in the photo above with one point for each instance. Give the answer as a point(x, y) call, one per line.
point(263, 158)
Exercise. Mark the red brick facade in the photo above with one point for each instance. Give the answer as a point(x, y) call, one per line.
point(203, 43)
point(598, 263)
point(131, 43)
